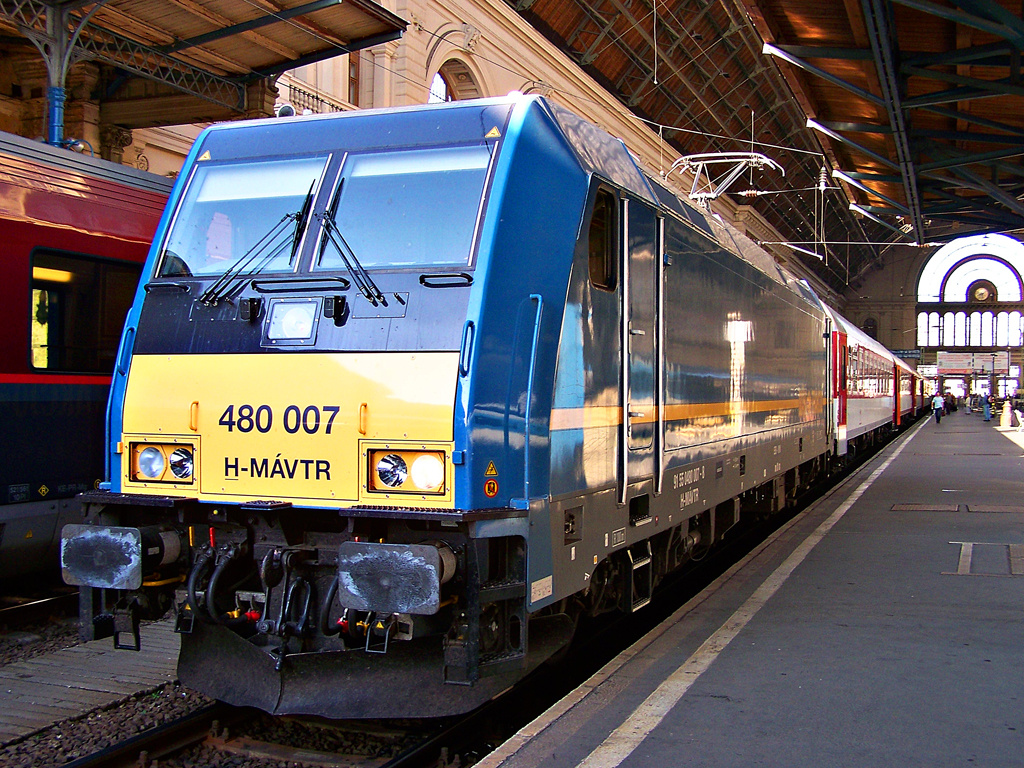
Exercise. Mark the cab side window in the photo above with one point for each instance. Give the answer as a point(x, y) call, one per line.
point(603, 241)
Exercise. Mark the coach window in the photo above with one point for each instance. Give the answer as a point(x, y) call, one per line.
point(844, 363)
point(78, 309)
point(602, 241)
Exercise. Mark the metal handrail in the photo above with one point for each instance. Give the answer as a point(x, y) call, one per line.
point(524, 503)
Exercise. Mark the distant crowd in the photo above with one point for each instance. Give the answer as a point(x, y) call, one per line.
point(980, 403)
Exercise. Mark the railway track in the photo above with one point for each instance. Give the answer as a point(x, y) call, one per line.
point(160, 742)
point(20, 613)
point(219, 732)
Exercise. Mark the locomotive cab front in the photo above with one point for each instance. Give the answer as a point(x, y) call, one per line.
point(288, 419)
point(406, 392)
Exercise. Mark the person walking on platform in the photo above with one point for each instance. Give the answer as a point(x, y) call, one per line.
point(937, 405)
point(986, 405)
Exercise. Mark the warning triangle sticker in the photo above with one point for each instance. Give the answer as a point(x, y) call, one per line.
point(205, 155)
point(492, 471)
point(494, 133)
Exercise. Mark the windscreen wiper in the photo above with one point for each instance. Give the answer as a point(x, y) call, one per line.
point(258, 254)
point(257, 258)
point(360, 276)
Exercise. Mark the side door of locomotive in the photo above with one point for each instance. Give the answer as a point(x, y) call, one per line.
point(640, 255)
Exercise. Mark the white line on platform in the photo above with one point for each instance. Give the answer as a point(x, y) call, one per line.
point(539, 725)
point(628, 736)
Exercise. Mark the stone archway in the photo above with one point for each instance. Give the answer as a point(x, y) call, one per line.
point(454, 81)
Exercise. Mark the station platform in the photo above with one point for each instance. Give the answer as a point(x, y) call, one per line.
point(39, 692)
point(883, 626)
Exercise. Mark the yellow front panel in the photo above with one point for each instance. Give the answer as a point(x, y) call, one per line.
point(289, 426)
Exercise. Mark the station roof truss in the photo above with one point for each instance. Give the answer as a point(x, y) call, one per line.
point(914, 108)
point(922, 102)
point(208, 50)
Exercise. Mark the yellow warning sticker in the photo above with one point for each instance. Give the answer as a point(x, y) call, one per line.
point(204, 156)
point(492, 471)
point(43, 490)
point(494, 133)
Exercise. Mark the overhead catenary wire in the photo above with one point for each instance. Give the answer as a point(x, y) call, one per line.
point(656, 126)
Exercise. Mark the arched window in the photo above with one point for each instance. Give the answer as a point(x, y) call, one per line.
point(975, 273)
point(870, 327)
point(956, 266)
point(439, 90)
point(960, 329)
point(454, 81)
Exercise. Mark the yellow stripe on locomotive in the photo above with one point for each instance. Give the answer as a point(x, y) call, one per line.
point(346, 429)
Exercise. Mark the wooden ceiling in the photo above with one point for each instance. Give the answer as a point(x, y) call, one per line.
point(921, 103)
point(202, 56)
point(913, 107)
point(910, 110)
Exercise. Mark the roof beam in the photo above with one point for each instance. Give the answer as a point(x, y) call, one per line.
point(952, 160)
point(883, 45)
point(853, 145)
point(993, 190)
point(975, 54)
point(1013, 31)
point(114, 49)
point(904, 210)
point(774, 50)
point(248, 26)
point(967, 117)
point(1003, 87)
point(825, 52)
point(990, 138)
point(328, 53)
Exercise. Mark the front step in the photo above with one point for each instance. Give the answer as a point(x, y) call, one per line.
point(641, 575)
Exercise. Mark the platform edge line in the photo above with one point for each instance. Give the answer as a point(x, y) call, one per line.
point(628, 736)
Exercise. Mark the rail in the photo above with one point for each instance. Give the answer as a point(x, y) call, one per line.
point(38, 610)
point(156, 743)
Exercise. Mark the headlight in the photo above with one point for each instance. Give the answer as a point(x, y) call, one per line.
point(400, 471)
point(392, 470)
point(162, 463)
point(181, 463)
point(427, 472)
point(293, 320)
point(151, 463)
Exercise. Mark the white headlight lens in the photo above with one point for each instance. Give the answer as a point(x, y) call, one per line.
point(392, 470)
point(292, 320)
point(151, 463)
point(181, 463)
point(427, 472)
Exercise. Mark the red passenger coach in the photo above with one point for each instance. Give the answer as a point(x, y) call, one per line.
point(906, 407)
point(74, 232)
point(874, 392)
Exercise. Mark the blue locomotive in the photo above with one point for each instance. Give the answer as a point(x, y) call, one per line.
point(404, 393)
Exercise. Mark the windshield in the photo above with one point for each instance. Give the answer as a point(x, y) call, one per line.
point(229, 209)
point(409, 209)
